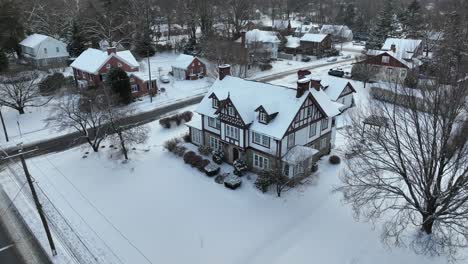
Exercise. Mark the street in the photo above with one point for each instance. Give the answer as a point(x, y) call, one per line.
point(8, 253)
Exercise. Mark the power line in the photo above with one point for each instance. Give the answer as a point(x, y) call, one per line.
point(100, 213)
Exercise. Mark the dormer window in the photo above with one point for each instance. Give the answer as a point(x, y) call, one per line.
point(215, 103)
point(385, 59)
point(231, 111)
point(108, 66)
point(263, 117)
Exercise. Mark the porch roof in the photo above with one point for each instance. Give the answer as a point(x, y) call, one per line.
point(299, 154)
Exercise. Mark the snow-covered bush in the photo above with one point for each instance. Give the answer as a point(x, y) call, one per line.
point(180, 151)
point(186, 116)
point(201, 165)
point(204, 150)
point(335, 160)
point(188, 157)
point(171, 144)
point(240, 166)
point(218, 156)
point(263, 182)
point(165, 122)
point(187, 138)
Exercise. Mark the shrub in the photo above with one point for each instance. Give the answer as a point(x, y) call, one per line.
point(335, 160)
point(52, 83)
point(188, 157)
point(196, 161)
point(180, 151)
point(165, 122)
point(265, 67)
point(187, 138)
point(201, 166)
point(263, 182)
point(177, 119)
point(186, 116)
point(171, 144)
point(204, 150)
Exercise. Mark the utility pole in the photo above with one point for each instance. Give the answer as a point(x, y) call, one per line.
point(4, 127)
point(36, 199)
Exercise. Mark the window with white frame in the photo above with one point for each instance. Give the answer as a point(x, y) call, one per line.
point(231, 111)
point(313, 129)
point(232, 132)
point(215, 103)
point(135, 88)
point(389, 71)
point(108, 66)
point(309, 111)
point(196, 136)
point(119, 65)
point(323, 143)
point(324, 124)
point(385, 59)
point(215, 143)
point(260, 139)
point(263, 117)
point(45, 50)
point(286, 169)
point(214, 122)
point(403, 73)
point(90, 77)
point(260, 162)
point(291, 141)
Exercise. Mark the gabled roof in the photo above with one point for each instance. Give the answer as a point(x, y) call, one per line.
point(405, 48)
point(310, 37)
point(333, 86)
point(33, 40)
point(337, 30)
point(410, 63)
point(92, 60)
point(257, 35)
point(293, 42)
point(274, 98)
point(183, 61)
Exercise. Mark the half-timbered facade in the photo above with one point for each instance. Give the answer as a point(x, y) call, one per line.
point(338, 89)
point(265, 124)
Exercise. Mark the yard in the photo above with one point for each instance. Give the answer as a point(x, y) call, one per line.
point(156, 209)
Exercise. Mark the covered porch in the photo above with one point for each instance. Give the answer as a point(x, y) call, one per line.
point(299, 161)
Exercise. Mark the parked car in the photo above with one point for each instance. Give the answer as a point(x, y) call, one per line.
point(336, 72)
point(305, 59)
point(346, 56)
point(164, 79)
point(348, 75)
point(201, 76)
point(332, 59)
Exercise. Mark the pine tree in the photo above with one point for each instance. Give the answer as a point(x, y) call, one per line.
point(3, 61)
point(341, 15)
point(11, 27)
point(412, 20)
point(384, 26)
point(144, 46)
point(119, 82)
point(77, 41)
point(350, 16)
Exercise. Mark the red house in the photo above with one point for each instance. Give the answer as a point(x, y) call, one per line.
point(188, 67)
point(92, 66)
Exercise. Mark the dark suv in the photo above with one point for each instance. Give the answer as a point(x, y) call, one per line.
point(336, 72)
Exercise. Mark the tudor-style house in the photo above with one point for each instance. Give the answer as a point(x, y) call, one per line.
point(395, 59)
point(339, 90)
point(264, 124)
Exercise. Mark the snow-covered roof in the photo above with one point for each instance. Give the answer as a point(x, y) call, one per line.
point(283, 24)
point(183, 61)
point(405, 48)
point(293, 42)
point(337, 30)
point(410, 63)
point(92, 60)
point(33, 40)
point(257, 35)
point(299, 154)
point(310, 37)
point(274, 98)
point(196, 122)
point(334, 86)
point(144, 76)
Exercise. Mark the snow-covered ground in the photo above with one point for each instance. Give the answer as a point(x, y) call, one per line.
point(156, 209)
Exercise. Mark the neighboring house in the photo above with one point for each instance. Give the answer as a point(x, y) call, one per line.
point(140, 83)
point(259, 41)
point(338, 90)
point(396, 57)
point(44, 51)
point(293, 45)
point(264, 124)
point(315, 44)
point(306, 28)
point(187, 67)
point(339, 33)
point(92, 66)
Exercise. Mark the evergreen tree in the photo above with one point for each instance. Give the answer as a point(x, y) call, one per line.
point(3, 61)
point(77, 41)
point(350, 15)
point(11, 27)
point(144, 45)
point(412, 20)
point(383, 27)
point(119, 82)
point(341, 15)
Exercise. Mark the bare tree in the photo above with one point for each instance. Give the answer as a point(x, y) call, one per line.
point(364, 72)
point(20, 90)
point(409, 166)
point(83, 113)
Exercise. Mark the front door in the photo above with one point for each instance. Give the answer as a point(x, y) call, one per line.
point(235, 154)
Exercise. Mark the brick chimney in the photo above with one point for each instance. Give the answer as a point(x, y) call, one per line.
point(111, 50)
point(393, 47)
point(316, 83)
point(301, 74)
point(243, 39)
point(224, 70)
point(302, 86)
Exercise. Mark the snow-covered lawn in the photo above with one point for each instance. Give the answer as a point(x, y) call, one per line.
point(159, 208)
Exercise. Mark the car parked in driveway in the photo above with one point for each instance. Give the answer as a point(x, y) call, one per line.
point(164, 79)
point(332, 59)
point(336, 72)
point(305, 59)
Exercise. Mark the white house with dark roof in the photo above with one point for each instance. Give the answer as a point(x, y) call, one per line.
point(289, 125)
point(44, 51)
point(395, 59)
